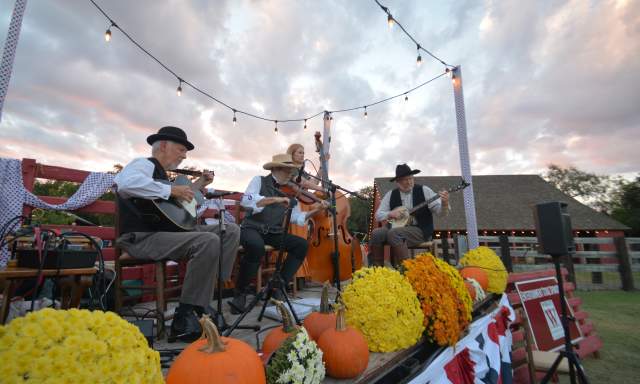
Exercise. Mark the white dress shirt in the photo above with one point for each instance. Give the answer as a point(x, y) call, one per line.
point(136, 180)
point(407, 201)
point(252, 196)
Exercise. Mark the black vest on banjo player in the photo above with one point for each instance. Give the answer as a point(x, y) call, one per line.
point(271, 218)
point(136, 214)
point(423, 216)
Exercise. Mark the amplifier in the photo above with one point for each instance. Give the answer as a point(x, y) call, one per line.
point(57, 258)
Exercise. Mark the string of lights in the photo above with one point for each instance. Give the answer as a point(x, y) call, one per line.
point(237, 111)
point(391, 21)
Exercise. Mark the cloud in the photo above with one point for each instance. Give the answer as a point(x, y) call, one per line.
point(543, 82)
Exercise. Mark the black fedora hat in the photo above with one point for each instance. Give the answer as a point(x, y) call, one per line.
point(403, 170)
point(172, 134)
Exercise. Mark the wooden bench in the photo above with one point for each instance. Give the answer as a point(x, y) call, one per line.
point(522, 357)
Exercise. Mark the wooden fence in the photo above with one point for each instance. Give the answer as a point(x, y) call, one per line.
point(598, 263)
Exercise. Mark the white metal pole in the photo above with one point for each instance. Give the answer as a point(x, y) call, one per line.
point(10, 50)
point(465, 166)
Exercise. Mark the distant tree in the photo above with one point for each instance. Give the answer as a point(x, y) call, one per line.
point(594, 190)
point(360, 209)
point(626, 208)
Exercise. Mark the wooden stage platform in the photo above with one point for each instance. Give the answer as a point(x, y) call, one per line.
point(393, 367)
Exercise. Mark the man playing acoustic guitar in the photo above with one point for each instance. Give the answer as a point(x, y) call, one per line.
point(394, 207)
point(145, 234)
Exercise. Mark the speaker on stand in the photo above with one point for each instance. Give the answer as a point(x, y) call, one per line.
point(555, 237)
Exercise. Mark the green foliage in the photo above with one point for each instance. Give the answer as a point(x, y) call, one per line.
point(66, 189)
point(358, 222)
point(626, 207)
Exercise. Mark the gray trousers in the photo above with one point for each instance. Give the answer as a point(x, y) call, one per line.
point(412, 235)
point(201, 247)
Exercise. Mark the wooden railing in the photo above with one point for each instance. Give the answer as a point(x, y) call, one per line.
point(598, 263)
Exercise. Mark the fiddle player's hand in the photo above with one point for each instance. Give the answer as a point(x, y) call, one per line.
point(182, 192)
point(207, 177)
point(444, 197)
point(281, 200)
point(324, 204)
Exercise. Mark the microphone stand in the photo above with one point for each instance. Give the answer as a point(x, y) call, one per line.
point(218, 317)
point(335, 255)
point(275, 281)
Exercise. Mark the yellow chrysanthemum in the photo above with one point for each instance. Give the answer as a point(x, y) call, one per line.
point(74, 346)
point(382, 305)
point(485, 258)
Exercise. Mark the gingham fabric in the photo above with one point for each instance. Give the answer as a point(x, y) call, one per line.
point(13, 195)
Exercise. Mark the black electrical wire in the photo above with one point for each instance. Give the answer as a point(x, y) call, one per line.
point(235, 111)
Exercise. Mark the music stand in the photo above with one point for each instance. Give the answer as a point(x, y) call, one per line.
point(569, 353)
point(274, 282)
point(218, 316)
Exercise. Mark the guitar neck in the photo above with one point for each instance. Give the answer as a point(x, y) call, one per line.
point(424, 204)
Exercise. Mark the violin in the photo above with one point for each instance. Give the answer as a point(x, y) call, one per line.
point(294, 190)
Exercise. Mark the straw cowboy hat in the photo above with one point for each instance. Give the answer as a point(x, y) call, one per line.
point(281, 160)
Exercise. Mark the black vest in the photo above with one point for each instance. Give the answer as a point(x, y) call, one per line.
point(271, 217)
point(423, 216)
point(136, 214)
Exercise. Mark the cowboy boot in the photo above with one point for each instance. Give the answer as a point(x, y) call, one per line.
point(376, 255)
point(239, 302)
point(398, 253)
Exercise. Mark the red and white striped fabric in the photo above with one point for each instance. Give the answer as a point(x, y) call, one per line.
point(481, 357)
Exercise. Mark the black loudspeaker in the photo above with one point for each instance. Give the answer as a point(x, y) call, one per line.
point(553, 226)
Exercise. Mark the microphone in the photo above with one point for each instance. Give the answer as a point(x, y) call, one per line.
point(300, 172)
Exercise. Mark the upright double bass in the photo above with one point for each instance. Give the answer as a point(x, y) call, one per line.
point(331, 246)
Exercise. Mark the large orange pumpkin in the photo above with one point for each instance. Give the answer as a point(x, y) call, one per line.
point(278, 335)
point(318, 322)
point(344, 350)
point(216, 359)
point(476, 273)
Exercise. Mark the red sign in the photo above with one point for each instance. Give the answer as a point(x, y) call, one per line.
point(541, 302)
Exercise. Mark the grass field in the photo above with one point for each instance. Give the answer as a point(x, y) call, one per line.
point(616, 315)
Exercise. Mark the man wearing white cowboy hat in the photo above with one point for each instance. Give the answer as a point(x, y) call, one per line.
point(419, 230)
point(264, 225)
point(143, 236)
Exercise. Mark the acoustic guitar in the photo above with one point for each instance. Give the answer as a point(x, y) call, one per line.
point(405, 214)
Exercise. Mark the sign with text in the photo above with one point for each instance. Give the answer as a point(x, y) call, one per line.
point(541, 302)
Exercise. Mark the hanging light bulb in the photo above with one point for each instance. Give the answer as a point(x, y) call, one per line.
point(276, 128)
point(365, 112)
point(234, 118)
point(406, 98)
point(390, 20)
point(305, 123)
point(448, 72)
point(107, 34)
point(179, 89)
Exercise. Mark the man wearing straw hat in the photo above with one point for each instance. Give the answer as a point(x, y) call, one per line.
point(263, 224)
point(420, 229)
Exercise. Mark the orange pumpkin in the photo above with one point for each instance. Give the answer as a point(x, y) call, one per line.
point(278, 335)
point(476, 273)
point(471, 289)
point(344, 350)
point(216, 359)
point(318, 322)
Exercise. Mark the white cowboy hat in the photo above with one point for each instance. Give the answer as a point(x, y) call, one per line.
point(281, 160)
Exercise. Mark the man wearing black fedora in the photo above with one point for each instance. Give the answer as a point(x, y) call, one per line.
point(419, 227)
point(143, 235)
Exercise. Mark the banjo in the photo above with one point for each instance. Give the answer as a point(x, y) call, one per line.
point(405, 213)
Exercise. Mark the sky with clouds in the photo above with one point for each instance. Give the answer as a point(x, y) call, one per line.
point(544, 82)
